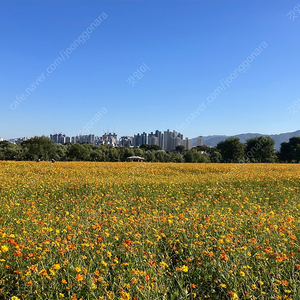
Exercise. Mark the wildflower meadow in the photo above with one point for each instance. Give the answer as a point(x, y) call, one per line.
point(84, 230)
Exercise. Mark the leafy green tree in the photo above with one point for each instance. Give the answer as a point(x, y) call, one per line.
point(194, 156)
point(125, 152)
point(39, 148)
point(175, 157)
point(97, 155)
point(79, 152)
point(149, 147)
point(180, 149)
point(138, 152)
point(189, 156)
point(10, 151)
point(290, 152)
point(202, 158)
point(61, 152)
point(204, 148)
point(216, 157)
point(295, 148)
point(150, 156)
point(161, 156)
point(113, 155)
point(260, 150)
point(232, 150)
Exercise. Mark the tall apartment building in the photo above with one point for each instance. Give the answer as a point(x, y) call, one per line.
point(200, 141)
point(137, 140)
point(160, 139)
point(126, 140)
point(167, 140)
point(171, 139)
point(187, 143)
point(144, 137)
point(152, 139)
point(140, 139)
point(68, 139)
point(107, 138)
point(90, 138)
point(58, 138)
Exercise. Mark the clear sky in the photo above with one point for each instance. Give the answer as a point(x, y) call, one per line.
point(188, 47)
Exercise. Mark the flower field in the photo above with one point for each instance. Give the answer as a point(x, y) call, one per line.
point(83, 230)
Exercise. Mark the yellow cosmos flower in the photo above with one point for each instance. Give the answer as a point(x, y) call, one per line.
point(4, 248)
point(185, 268)
point(56, 266)
point(104, 263)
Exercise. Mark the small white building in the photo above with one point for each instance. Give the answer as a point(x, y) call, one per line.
point(135, 158)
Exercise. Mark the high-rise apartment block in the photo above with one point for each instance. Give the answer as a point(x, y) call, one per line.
point(126, 140)
point(187, 143)
point(171, 139)
point(108, 139)
point(200, 141)
point(58, 138)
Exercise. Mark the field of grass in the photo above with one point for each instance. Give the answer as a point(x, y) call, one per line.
point(149, 231)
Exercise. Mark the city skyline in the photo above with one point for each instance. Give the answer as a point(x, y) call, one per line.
point(166, 140)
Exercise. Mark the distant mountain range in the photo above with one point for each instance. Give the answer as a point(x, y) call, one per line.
point(213, 140)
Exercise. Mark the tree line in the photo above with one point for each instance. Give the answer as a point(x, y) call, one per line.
point(232, 150)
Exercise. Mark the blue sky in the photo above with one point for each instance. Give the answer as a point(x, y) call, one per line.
point(188, 46)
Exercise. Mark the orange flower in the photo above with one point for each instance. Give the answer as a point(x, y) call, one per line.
point(284, 256)
point(17, 253)
point(33, 268)
point(233, 296)
point(71, 247)
point(224, 256)
point(43, 272)
point(79, 277)
point(268, 250)
point(284, 282)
